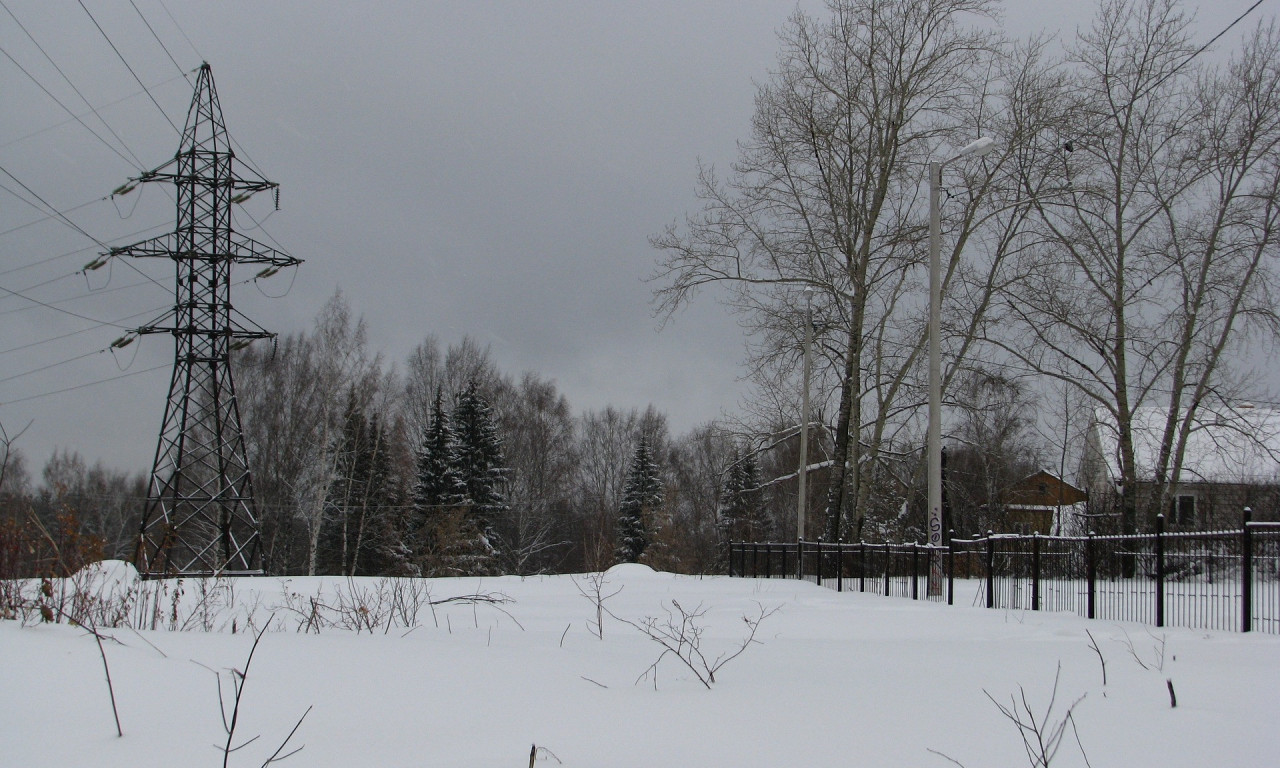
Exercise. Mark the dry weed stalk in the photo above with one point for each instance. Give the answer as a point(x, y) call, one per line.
point(680, 635)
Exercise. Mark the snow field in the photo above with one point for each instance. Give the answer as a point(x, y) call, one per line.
point(835, 679)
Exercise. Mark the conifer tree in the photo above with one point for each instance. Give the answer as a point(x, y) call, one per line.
point(443, 542)
point(479, 457)
point(641, 497)
point(741, 517)
point(439, 484)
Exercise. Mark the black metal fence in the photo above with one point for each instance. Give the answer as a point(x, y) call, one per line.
point(1206, 580)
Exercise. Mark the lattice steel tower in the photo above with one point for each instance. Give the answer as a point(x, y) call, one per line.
point(200, 516)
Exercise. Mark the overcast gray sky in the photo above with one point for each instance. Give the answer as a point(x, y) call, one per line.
point(482, 168)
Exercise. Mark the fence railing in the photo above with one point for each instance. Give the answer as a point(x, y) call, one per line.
point(1205, 580)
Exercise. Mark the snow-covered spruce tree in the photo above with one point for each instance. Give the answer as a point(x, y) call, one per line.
point(437, 536)
point(741, 516)
point(641, 498)
point(481, 468)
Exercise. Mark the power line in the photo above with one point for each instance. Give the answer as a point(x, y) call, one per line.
point(72, 224)
point(67, 109)
point(53, 365)
point(137, 162)
point(82, 386)
point(54, 304)
point(59, 309)
point(180, 30)
point(77, 333)
point(47, 259)
point(126, 66)
point(158, 40)
point(92, 110)
point(46, 215)
point(48, 206)
point(1204, 47)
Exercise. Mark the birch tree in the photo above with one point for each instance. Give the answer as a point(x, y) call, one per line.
point(1155, 183)
point(826, 194)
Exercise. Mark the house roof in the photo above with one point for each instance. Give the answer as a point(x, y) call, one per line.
point(1042, 489)
point(1237, 445)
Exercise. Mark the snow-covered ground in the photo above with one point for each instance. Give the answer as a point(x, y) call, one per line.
point(832, 679)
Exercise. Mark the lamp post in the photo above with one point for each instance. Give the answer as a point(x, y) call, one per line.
point(803, 470)
point(977, 148)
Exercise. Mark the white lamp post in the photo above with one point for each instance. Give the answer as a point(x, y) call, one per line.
point(977, 148)
point(803, 470)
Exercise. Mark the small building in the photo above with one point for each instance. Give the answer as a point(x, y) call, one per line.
point(1038, 502)
point(1231, 461)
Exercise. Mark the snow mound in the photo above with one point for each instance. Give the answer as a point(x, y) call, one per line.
point(631, 571)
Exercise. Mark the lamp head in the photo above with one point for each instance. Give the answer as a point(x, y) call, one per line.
point(978, 148)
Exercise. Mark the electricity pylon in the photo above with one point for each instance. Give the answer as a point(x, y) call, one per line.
point(200, 516)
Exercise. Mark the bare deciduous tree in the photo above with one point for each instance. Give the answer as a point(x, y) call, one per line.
point(1155, 187)
point(826, 194)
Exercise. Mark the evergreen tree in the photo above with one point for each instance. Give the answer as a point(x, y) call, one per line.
point(439, 484)
point(641, 498)
point(459, 466)
point(741, 517)
point(479, 457)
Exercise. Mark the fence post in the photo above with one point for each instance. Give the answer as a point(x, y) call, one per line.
point(1160, 570)
point(915, 571)
point(991, 566)
point(755, 559)
point(821, 557)
point(768, 560)
point(888, 567)
point(951, 567)
point(1091, 572)
point(862, 566)
point(840, 565)
point(1035, 571)
point(1246, 572)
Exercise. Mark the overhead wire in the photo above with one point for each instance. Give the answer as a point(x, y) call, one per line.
point(1202, 48)
point(61, 216)
point(164, 47)
point(181, 31)
point(53, 365)
point(46, 215)
point(137, 162)
point(48, 206)
point(55, 257)
point(82, 386)
point(59, 337)
point(52, 212)
point(54, 304)
point(127, 66)
point(61, 123)
point(59, 309)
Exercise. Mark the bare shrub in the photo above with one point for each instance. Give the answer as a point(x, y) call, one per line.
point(680, 635)
point(594, 591)
point(231, 719)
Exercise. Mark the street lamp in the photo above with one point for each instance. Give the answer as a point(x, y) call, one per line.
point(977, 148)
point(803, 470)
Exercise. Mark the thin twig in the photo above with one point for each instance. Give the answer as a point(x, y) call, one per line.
point(275, 756)
point(1094, 645)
